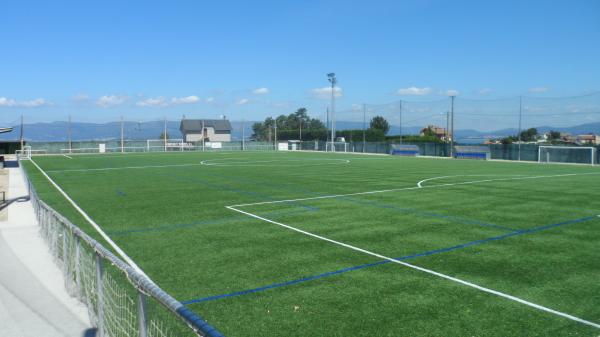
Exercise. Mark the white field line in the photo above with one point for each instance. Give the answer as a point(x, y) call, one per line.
point(223, 162)
point(425, 270)
point(64, 155)
point(202, 163)
point(410, 188)
point(93, 223)
point(123, 168)
point(420, 183)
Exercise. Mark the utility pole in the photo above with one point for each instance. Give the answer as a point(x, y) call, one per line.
point(122, 137)
point(275, 130)
point(243, 136)
point(452, 127)
point(69, 136)
point(165, 134)
point(327, 133)
point(400, 122)
point(364, 127)
point(21, 132)
point(203, 137)
point(270, 127)
point(520, 118)
point(447, 126)
point(333, 81)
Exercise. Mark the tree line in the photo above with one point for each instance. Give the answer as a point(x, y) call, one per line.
point(300, 126)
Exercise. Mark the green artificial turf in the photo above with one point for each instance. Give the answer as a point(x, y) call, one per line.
point(489, 223)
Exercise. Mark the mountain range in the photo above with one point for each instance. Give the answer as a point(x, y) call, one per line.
point(58, 131)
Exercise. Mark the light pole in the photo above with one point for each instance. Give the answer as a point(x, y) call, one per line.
point(447, 126)
point(452, 126)
point(333, 81)
point(520, 120)
point(364, 127)
point(400, 122)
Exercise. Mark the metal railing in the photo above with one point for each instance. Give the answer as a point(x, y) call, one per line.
point(120, 301)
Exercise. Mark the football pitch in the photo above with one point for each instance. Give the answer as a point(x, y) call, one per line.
point(321, 244)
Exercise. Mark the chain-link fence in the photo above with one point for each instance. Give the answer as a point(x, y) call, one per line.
point(120, 301)
point(516, 152)
point(153, 145)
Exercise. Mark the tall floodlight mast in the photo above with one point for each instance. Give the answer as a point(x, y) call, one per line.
point(333, 81)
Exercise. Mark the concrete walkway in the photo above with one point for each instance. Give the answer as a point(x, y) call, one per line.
point(33, 298)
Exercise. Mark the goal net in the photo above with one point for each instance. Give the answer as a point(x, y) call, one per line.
point(24, 154)
point(336, 147)
point(567, 154)
point(169, 145)
point(472, 152)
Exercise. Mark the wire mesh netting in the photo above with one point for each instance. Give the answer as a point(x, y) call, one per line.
point(120, 301)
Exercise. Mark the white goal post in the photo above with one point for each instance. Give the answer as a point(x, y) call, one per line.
point(567, 154)
point(24, 154)
point(336, 147)
point(169, 145)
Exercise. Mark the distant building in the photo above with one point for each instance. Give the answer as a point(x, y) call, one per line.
point(589, 139)
point(215, 130)
point(437, 131)
point(568, 138)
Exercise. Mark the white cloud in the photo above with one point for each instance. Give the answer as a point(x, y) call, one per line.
point(261, 91)
point(484, 91)
point(153, 102)
point(325, 93)
point(34, 103)
point(185, 100)
point(414, 91)
point(242, 101)
point(450, 92)
point(8, 102)
point(209, 99)
point(111, 100)
point(538, 90)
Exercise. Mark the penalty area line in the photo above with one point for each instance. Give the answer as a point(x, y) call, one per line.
point(425, 270)
point(472, 182)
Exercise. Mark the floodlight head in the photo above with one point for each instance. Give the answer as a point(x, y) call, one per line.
point(332, 78)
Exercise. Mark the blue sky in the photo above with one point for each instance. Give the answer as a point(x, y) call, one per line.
point(145, 60)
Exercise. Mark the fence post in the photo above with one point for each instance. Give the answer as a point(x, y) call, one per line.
point(100, 293)
point(142, 314)
point(77, 266)
point(64, 253)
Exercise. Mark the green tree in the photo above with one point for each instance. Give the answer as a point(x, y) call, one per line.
point(288, 127)
point(529, 135)
point(553, 135)
point(162, 135)
point(379, 123)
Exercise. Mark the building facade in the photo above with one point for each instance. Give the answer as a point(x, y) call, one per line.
point(209, 130)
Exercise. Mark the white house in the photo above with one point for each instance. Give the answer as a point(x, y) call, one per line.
point(215, 130)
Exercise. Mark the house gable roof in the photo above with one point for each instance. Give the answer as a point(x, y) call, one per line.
point(195, 125)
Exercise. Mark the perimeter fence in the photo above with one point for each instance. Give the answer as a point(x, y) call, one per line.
point(512, 152)
point(121, 302)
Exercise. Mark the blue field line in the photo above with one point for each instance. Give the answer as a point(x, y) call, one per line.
point(401, 258)
point(452, 218)
point(200, 223)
